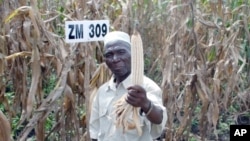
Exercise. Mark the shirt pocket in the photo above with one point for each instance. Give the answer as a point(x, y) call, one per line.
point(104, 106)
point(104, 117)
point(105, 123)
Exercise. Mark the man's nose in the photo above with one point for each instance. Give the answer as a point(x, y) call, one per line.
point(116, 58)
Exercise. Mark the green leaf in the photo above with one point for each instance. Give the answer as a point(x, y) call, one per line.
point(212, 54)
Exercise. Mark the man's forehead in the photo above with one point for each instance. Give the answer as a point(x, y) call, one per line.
point(117, 45)
point(116, 48)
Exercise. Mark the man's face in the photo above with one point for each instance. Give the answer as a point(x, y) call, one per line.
point(118, 58)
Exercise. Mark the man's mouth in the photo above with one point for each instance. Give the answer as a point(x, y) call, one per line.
point(118, 67)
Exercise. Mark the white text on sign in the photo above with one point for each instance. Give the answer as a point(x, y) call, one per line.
point(240, 132)
point(85, 31)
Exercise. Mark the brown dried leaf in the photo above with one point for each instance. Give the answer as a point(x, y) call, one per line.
point(71, 78)
point(59, 66)
point(35, 24)
point(213, 114)
point(69, 99)
point(2, 64)
point(40, 128)
point(80, 80)
point(5, 129)
point(36, 73)
point(188, 102)
point(204, 109)
point(27, 31)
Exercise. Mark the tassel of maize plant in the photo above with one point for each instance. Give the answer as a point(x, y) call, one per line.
point(123, 109)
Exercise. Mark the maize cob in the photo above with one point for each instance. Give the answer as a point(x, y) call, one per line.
point(123, 109)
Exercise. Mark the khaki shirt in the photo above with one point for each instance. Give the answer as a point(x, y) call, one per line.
point(102, 120)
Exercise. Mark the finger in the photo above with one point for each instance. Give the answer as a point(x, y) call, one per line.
point(134, 87)
point(132, 98)
point(136, 94)
point(133, 92)
point(133, 103)
point(137, 88)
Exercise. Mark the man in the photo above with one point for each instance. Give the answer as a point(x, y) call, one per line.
point(148, 97)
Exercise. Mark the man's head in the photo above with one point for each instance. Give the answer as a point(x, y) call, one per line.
point(117, 53)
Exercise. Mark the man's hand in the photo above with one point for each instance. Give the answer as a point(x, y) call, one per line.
point(137, 97)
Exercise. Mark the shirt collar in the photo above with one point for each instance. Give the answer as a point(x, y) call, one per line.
point(125, 83)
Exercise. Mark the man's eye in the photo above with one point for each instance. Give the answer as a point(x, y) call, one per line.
point(121, 51)
point(108, 55)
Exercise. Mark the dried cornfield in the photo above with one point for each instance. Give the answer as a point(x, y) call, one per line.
point(197, 51)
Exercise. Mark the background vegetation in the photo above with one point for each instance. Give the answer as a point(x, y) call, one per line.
point(196, 50)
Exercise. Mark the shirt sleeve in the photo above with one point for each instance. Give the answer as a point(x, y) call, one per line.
point(94, 125)
point(157, 129)
point(154, 93)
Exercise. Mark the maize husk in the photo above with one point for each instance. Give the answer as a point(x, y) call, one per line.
point(123, 110)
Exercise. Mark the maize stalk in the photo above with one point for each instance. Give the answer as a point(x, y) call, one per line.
point(123, 109)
